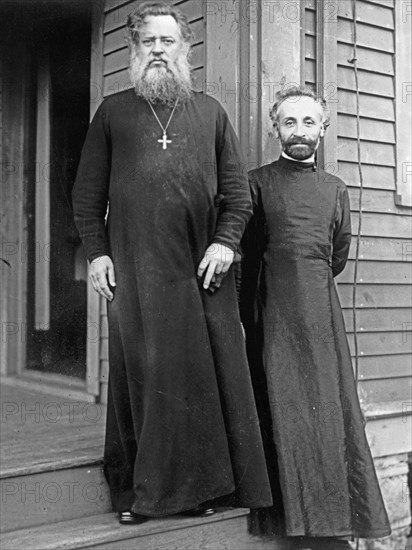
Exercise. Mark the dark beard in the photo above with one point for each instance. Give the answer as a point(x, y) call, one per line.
point(300, 149)
point(165, 84)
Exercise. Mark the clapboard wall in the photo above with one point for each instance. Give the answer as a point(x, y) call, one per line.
point(114, 79)
point(383, 306)
point(383, 302)
point(383, 287)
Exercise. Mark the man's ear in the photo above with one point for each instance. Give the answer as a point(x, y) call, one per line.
point(322, 130)
point(276, 130)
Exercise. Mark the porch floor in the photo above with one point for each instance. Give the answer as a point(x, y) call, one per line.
point(42, 432)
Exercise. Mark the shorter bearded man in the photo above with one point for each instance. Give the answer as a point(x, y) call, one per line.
point(323, 479)
point(182, 428)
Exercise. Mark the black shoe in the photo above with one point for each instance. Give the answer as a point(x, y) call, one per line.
point(199, 512)
point(320, 543)
point(130, 518)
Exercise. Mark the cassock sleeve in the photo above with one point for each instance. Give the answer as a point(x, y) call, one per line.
point(91, 188)
point(342, 233)
point(252, 248)
point(235, 208)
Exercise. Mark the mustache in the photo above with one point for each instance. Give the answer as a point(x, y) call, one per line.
point(299, 141)
point(162, 59)
point(149, 66)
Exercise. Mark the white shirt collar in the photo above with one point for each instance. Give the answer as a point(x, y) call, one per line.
point(310, 160)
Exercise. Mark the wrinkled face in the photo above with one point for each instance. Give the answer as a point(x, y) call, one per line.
point(160, 42)
point(159, 64)
point(299, 126)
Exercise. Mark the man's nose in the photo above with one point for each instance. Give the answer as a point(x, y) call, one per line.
point(157, 47)
point(300, 129)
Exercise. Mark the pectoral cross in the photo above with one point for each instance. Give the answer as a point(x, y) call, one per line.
point(164, 140)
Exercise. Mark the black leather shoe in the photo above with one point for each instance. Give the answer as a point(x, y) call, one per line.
point(321, 543)
point(199, 512)
point(130, 518)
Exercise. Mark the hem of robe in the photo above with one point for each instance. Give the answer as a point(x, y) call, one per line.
point(375, 534)
point(136, 509)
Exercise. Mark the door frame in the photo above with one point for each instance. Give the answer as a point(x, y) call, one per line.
point(94, 304)
point(15, 179)
point(15, 235)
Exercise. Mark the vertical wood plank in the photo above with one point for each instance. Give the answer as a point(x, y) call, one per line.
point(328, 82)
point(254, 154)
point(14, 192)
point(222, 56)
point(281, 62)
point(403, 83)
point(42, 197)
point(4, 269)
point(249, 91)
point(93, 302)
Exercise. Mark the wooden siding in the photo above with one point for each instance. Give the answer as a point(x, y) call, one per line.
point(384, 277)
point(384, 315)
point(115, 79)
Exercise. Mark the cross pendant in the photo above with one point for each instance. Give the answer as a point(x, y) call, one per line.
point(164, 140)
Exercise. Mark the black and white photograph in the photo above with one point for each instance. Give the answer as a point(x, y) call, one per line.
point(206, 274)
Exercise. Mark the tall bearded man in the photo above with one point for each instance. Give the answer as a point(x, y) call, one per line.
point(323, 479)
point(182, 429)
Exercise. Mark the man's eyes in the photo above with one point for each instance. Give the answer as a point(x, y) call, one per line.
point(150, 41)
point(292, 122)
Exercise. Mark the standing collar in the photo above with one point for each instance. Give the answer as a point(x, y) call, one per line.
point(291, 164)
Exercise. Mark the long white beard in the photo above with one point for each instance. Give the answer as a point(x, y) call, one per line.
point(166, 84)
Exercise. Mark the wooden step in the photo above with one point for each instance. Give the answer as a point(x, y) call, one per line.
point(50, 458)
point(53, 495)
point(41, 432)
point(226, 530)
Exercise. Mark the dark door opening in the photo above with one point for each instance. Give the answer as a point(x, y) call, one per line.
point(60, 42)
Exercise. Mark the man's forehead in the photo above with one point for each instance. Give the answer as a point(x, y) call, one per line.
point(160, 25)
point(300, 106)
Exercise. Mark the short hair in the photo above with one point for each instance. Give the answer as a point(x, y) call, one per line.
point(298, 91)
point(136, 19)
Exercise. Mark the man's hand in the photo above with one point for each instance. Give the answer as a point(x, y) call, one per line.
point(217, 259)
point(101, 272)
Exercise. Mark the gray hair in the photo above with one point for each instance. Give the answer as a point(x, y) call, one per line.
point(136, 19)
point(298, 91)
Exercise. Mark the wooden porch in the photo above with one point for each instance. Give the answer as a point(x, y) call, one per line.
point(54, 494)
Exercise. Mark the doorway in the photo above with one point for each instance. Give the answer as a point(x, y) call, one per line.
point(58, 36)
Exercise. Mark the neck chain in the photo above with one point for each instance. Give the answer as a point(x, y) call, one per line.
point(164, 139)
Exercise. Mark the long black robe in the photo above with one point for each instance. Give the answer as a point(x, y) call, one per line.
point(182, 426)
point(323, 478)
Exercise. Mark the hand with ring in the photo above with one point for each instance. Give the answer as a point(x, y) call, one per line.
point(215, 263)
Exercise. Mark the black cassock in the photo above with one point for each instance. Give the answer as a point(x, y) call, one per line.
point(323, 478)
point(182, 426)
